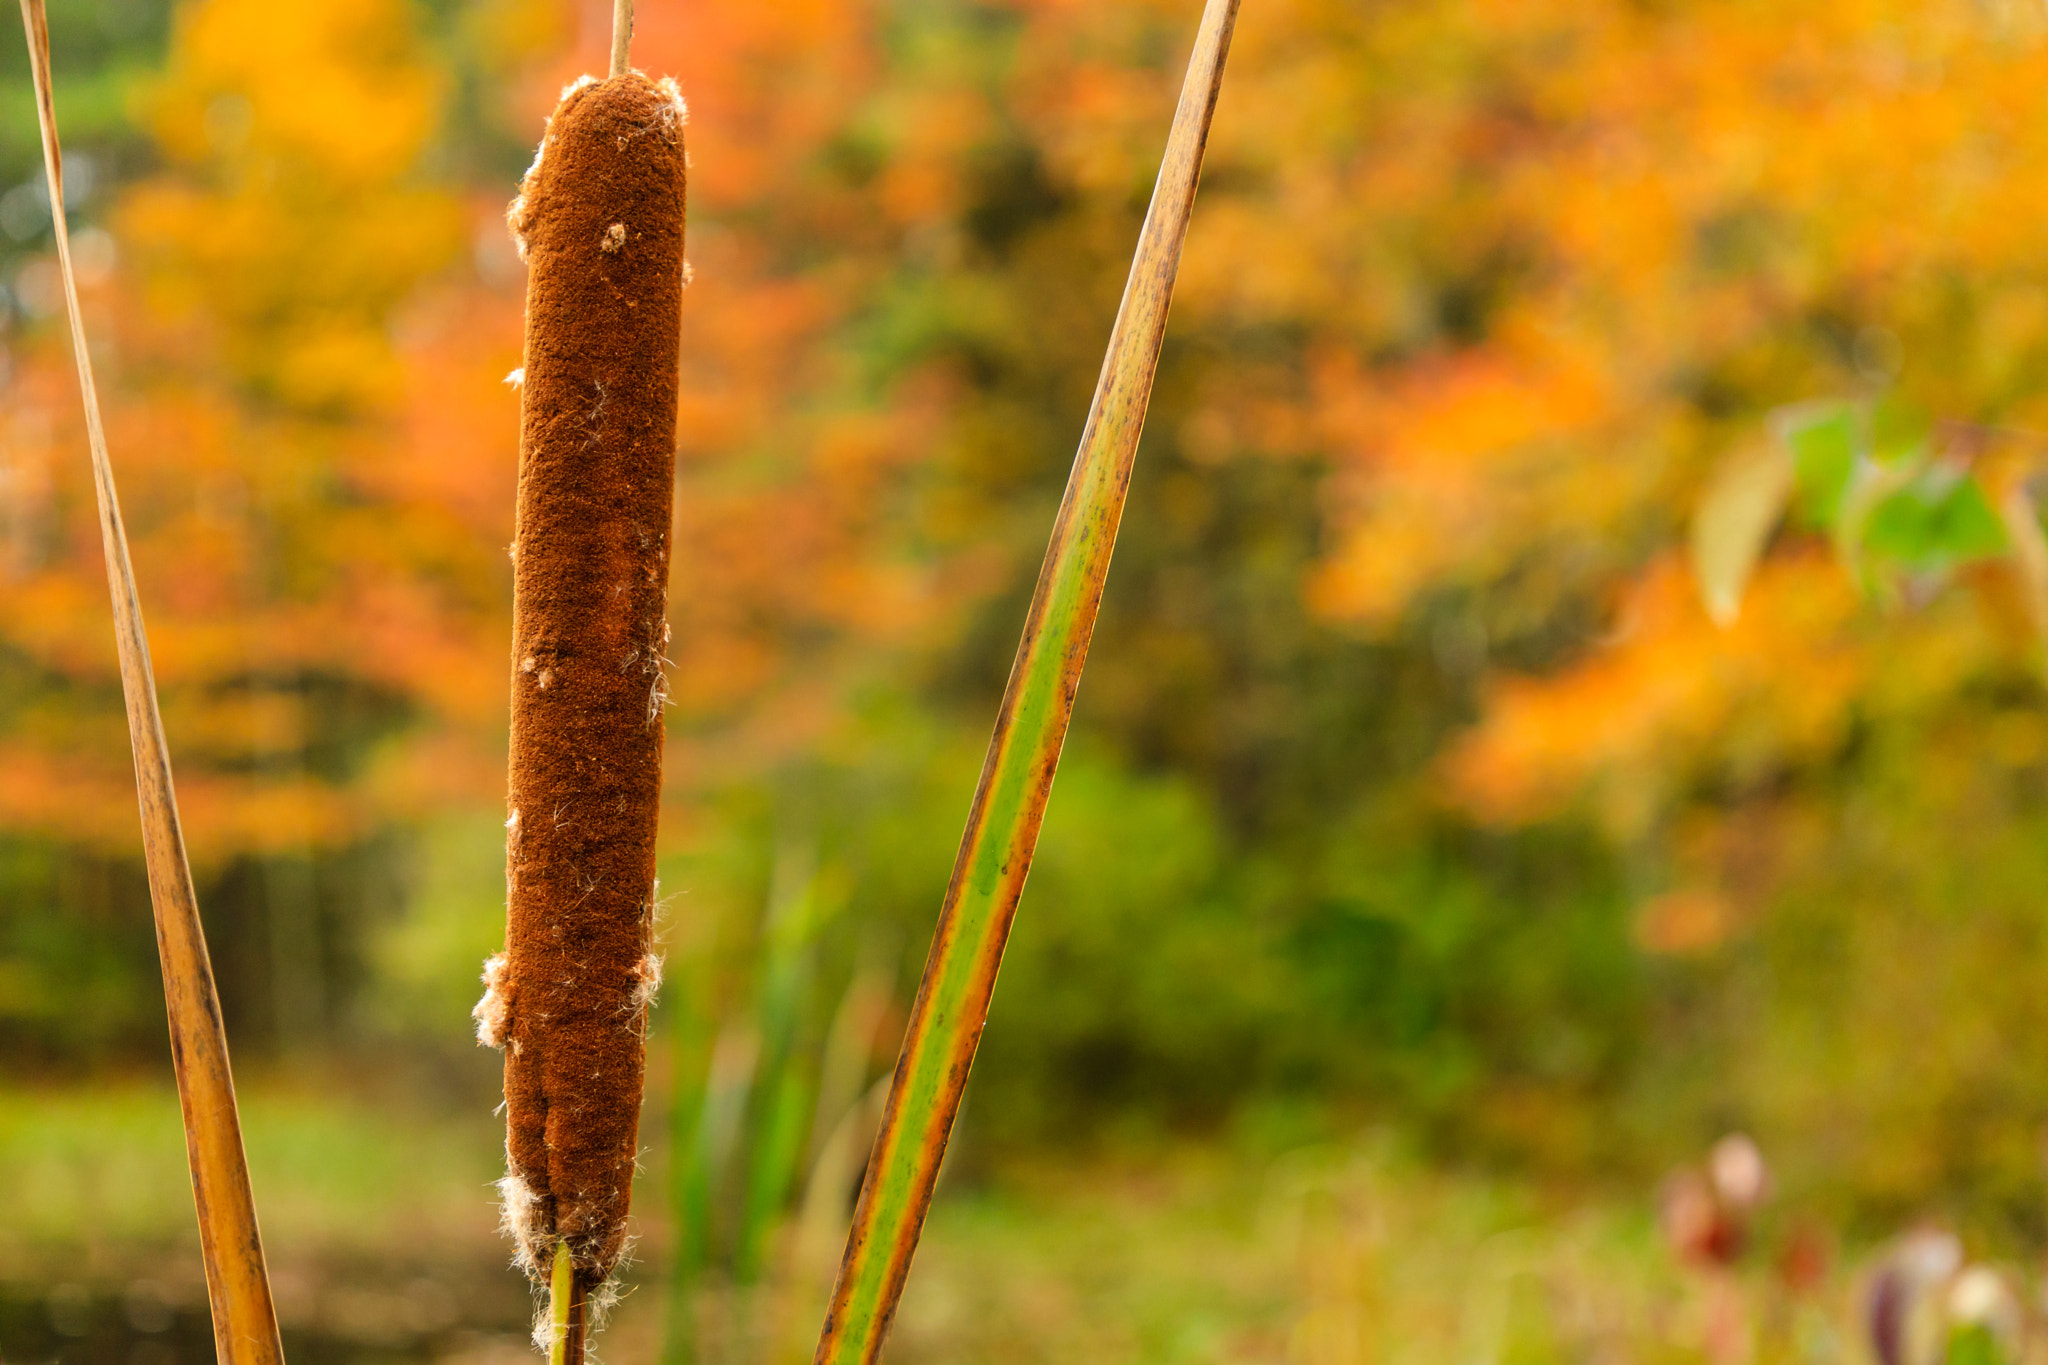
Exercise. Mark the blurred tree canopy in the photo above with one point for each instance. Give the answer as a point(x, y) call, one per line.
point(1411, 775)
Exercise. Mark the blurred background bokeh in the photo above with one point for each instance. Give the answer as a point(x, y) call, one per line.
point(1432, 887)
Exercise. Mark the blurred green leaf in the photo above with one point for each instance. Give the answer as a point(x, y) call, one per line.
point(1823, 439)
point(1743, 503)
point(1974, 1345)
point(1942, 517)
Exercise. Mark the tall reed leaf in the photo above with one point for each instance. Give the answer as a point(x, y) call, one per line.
point(244, 1322)
point(1016, 778)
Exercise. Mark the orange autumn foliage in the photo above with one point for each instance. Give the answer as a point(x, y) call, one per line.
point(306, 589)
point(1668, 688)
point(1476, 297)
point(1515, 272)
point(1552, 260)
point(316, 442)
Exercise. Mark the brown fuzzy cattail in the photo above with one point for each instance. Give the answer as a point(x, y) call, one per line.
point(599, 219)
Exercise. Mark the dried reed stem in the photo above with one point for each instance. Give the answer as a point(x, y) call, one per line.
point(622, 34)
point(237, 1284)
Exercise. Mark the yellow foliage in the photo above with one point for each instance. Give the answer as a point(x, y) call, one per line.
point(291, 220)
point(337, 93)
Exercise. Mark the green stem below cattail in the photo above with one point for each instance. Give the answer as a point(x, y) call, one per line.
point(565, 1311)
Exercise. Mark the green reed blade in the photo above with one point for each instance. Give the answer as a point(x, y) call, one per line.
point(707, 1132)
point(772, 1172)
point(1016, 778)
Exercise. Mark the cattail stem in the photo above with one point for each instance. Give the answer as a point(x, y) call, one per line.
point(565, 1311)
point(622, 34)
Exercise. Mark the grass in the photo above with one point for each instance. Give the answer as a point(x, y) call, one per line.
point(1334, 1254)
point(379, 1218)
point(100, 1173)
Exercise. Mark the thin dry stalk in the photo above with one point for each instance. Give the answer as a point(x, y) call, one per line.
point(238, 1286)
point(622, 34)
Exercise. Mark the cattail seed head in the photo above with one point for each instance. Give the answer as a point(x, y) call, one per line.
point(599, 220)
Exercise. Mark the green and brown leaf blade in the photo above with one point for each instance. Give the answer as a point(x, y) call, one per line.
point(1023, 755)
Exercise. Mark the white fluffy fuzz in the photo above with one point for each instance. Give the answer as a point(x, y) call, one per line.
point(678, 113)
point(646, 985)
point(493, 1013)
point(521, 1218)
